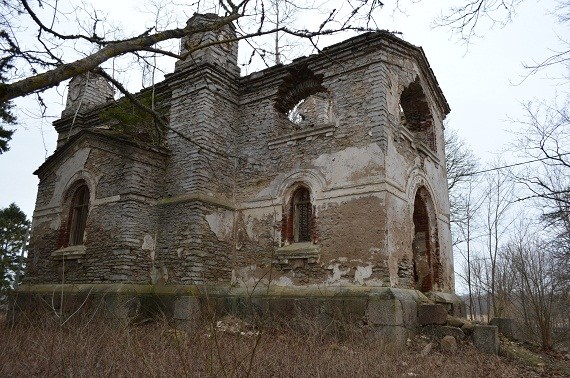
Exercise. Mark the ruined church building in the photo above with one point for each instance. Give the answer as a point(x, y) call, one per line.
point(325, 175)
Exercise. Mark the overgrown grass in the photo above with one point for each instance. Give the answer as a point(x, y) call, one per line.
point(87, 347)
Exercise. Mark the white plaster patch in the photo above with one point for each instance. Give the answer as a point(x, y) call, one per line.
point(362, 273)
point(284, 281)
point(375, 282)
point(221, 223)
point(249, 223)
point(159, 274)
point(55, 223)
point(246, 273)
point(253, 282)
point(256, 222)
point(179, 252)
point(395, 170)
point(65, 172)
point(374, 250)
point(268, 191)
point(148, 243)
point(337, 273)
point(393, 269)
point(341, 166)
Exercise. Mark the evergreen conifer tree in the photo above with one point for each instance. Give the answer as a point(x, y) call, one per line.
point(13, 229)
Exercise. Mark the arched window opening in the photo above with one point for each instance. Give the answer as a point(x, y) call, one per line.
point(423, 248)
point(303, 98)
point(296, 115)
point(311, 111)
point(302, 215)
point(78, 215)
point(415, 114)
point(297, 225)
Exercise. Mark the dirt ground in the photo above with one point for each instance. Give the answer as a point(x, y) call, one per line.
point(61, 347)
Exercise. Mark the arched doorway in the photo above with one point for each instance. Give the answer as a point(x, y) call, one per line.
point(424, 245)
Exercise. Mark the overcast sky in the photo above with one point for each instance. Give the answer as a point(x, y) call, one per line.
point(478, 82)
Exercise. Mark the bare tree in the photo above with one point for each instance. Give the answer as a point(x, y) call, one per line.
point(498, 200)
point(40, 47)
point(478, 304)
point(60, 67)
point(465, 229)
point(282, 12)
point(465, 202)
point(539, 296)
point(545, 140)
point(461, 165)
point(465, 18)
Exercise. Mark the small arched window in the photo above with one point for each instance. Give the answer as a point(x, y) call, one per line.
point(78, 215)
point(302, 215)
point(416, 115)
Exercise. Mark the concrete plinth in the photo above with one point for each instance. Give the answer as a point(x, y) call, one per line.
point(506, 327)
point(486, 338)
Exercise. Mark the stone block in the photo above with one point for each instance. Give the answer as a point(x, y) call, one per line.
point(506, 327)
point(354, 308)
point(454, 321)
point(442, 331)
point(410, 313)
point(448, 345)
point(392, 337)
point(451, 301)
point(186, 308)
point(426, 350)
point(432, 314)
point(385, 312)
point(486, 338)
point(121, 307)
point(453, 331)
point(467, 328)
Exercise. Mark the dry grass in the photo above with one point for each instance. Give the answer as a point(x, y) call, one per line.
point(84, 347)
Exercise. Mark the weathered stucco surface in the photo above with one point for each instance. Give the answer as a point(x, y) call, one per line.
point(223, 208)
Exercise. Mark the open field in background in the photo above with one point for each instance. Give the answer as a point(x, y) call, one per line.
point(86, 347)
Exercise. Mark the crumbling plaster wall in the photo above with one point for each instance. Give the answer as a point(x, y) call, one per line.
point(357, 172)
point(409, 166)
point(188, 251)
point(123, 185)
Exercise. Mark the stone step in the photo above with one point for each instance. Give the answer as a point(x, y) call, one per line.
point(432, 314)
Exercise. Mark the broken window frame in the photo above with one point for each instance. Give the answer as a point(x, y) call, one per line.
point(298, 222)
point(299, 85)
point(302, 215)
point(416, 115)
point(78, 213)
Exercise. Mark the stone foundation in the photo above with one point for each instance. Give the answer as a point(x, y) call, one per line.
point(390, 314)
